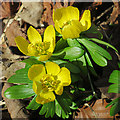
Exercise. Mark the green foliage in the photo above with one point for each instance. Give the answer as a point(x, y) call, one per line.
point(19, 92)
point(32, 60)
point(115, 106)
point(61, 44)
point(94, 30)
point(115, 79)
point(73, 53)
point(21, 76)
point(103, 43)
point(98, 54)
point(33, 105)
point(114, 88)
point(61, 107)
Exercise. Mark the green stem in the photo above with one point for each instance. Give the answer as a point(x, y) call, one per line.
point(89, 78)
point(57, 54)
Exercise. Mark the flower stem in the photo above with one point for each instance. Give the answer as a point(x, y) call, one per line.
point(59, 53)
point(89, 78)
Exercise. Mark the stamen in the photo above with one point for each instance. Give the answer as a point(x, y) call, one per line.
point(50, 82)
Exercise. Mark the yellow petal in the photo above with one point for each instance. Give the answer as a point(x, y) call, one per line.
point(64, 15)
point(64, 76)
point(72, 30)
point(86, 20)
point(22, 44)
point(59, 90)
point(57, 27)
point(45, 57)
point(36, 72)
point(49, 36)
point(37, 87)
point(57, 14)
point(33, 35)
point(45, 97)
point(52, 68)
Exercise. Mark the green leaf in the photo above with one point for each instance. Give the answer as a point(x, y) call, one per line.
point(62, 106)
point(19, 92)
point(31, 61)
point(61, 44)
point(48, 109)
point(115, 109)
point(73, 52)
point(113, 102)
point(73, 43)
point(115, 77)
point(21, 76)
point(98, 59)
point(91, 68)
point(73, 68)
point(58, 109)
point(59, 61)
point(97, 53)
point(114, 88)
point(103, 43)
point(33, 105)
point(115, 106)
point(95, 48)
point(94, 30)
point(76, 77)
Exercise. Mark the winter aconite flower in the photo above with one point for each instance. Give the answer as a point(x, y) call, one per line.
point(37, 47)
point(67, 21)
point(47, 80)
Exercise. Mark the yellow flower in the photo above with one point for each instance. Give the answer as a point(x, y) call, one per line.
point(67, 21)
point(37, 47)
point(48, 79)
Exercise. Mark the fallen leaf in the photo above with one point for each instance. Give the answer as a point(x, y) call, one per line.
point(5, 10)
point(96, 110)
point(31, 13)
point(13, 31)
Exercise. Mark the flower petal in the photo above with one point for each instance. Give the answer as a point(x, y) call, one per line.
point(52, 68)
point(49, 36)
point(36, 72)
point(57, 27)
point(45, 57)
point(59, 90)
point(64, 15)
point(72, 30)
point(64, 76)
point(86, 20)
point(33, 35)
point(37, 87)
point(22, 44)
point(45, 97)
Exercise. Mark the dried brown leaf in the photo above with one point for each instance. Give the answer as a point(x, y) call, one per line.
point(96, 110)
point(32, 12)
point(13, 31)
point(4, 10)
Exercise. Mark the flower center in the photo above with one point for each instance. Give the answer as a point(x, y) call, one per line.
point(39, 48)
point(50, 82)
